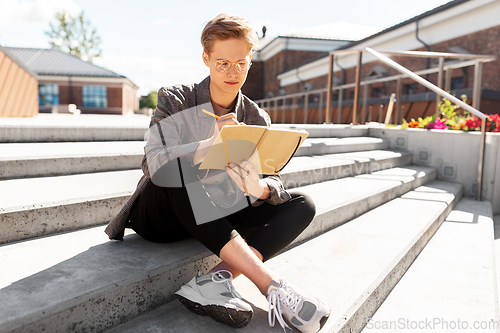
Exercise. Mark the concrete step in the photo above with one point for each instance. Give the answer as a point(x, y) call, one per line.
point(352, 267)
point(34, 207)
point(328, 130)
point(92, 199)
point(305, 170)
point(451, 285)
point(70, 128)
point(21, 160)
point(86, 127)
point(94, 284)
point(321, 146)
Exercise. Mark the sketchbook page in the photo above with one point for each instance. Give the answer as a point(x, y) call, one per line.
point(240, 141)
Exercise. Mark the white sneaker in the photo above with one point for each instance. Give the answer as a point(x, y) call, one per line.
point(293, 307)
point(214, 295)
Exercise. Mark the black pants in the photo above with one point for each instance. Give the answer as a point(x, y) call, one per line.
point(164, 214)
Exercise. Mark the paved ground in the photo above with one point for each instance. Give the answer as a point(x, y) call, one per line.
point(134, 120)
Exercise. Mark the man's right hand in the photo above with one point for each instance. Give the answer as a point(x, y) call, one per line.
point(204, 146)
point(227, 119)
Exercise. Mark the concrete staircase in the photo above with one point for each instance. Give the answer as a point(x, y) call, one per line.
point(451, 285)
point(60, 273)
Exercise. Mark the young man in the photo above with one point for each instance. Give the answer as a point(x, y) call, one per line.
point(175, 199)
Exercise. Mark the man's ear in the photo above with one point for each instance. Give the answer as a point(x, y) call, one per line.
point(205, 58)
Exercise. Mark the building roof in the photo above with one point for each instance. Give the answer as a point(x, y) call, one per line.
point(431, 12)
point(334, 32)
point(55, 62)
point(337, 31)
point(17, 61)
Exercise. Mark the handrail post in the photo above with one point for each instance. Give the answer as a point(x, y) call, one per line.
point(480, 166)
point(276, 108)
point(306, 105)
point(439, 83)
point(340, 102)
point(356, 89)
point(447, 80)
point(365, 101)
point(398, 115)
point(283, 111)
point(476, 101)
point(476, 94)
point(329, 89)
point(320, 111)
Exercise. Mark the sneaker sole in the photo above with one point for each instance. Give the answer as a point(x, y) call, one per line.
point(322, 322)
point(231, 317)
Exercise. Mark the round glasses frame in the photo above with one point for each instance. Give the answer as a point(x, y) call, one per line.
point(222, 66)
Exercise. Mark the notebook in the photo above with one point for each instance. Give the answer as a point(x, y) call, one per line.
point(269, 149)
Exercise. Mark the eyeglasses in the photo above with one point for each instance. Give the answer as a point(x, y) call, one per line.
point(222, 66)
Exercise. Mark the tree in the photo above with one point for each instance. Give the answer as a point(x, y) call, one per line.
point(74, 35)
point(149, 100)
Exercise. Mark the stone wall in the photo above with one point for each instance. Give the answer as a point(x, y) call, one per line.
point(455, 154)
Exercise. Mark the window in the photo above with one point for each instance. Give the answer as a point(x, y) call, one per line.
point(48, 94)
point(457, 83)
point(95, 97)
point(409, 89)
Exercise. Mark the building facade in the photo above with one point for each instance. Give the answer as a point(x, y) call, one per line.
point(18, 87)
point(285, 52)
point(460, 26)
point(64, 79)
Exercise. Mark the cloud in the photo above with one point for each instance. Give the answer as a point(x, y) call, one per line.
point(152, 72)
point(160, 22)
point(34, 12)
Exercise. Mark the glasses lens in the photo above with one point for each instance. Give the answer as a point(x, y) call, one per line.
point(223, 66)
point(241, 66)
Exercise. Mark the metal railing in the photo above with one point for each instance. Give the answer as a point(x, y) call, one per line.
point(475, 60)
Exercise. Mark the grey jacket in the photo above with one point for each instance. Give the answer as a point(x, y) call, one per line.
point(175, 134)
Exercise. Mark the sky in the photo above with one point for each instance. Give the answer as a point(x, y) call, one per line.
point(157, 43)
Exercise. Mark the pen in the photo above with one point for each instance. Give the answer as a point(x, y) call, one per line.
point(211, 114)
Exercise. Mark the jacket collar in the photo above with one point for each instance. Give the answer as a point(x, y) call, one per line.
point(205, 102)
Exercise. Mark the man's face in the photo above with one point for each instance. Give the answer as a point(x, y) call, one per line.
point(235, 52)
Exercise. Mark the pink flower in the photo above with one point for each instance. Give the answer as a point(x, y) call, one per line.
point(437, 124)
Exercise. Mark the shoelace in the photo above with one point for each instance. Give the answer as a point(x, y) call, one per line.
point(282, 295)
point(226, 281)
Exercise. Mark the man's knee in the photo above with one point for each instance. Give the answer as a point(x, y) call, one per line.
point(305, 205)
